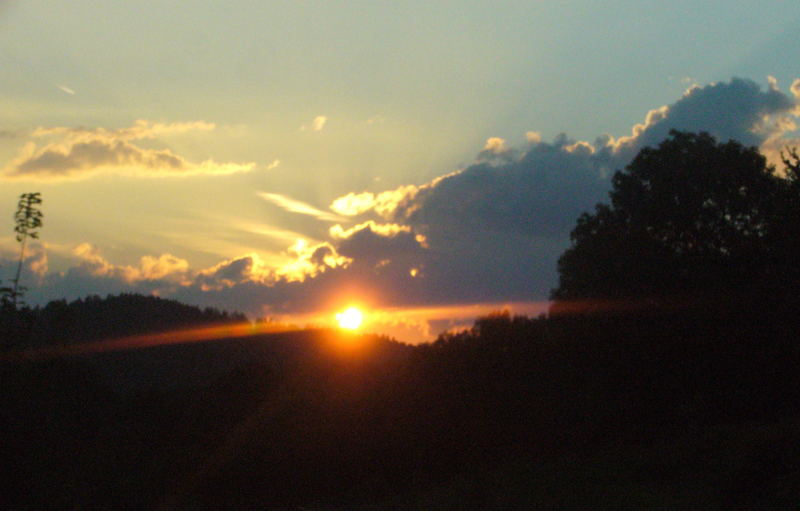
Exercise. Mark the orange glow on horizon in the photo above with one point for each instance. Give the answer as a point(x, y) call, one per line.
point(412, 324)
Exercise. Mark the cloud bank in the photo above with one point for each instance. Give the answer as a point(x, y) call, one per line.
point(489, 232)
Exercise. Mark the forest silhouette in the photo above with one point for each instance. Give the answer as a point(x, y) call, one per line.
point(665, 376)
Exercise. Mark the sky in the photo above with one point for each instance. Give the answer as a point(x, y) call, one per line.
point(423, 160)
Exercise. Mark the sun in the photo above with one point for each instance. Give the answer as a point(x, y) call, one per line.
point(350, 319)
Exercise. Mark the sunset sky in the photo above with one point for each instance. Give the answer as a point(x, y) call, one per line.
point(424, 160)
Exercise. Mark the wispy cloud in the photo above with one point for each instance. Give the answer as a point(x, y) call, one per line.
point(66, 89)
point(299, 207)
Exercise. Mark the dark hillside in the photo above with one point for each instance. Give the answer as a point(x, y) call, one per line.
point(610, 412)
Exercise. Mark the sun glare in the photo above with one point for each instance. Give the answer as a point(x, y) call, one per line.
point(350, 318)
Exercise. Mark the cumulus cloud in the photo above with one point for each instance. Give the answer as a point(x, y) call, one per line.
point(495, 145)
point(35, 265)
point(533, 137)
point(499, 225)
point(70, 153)
point(737, 110)
point(540, 189)
point(308, 261)
point(163, 267)
point(91, 273)
point(795, 88)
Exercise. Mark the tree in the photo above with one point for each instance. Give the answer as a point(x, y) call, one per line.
point(28, 217)
point(690, 217)
point(791, 161)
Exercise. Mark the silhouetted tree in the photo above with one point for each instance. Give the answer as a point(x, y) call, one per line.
point(791, 159)
point(693, 216)
point(28, 217)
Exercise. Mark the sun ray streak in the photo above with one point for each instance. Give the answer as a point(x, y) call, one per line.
point(133, 342)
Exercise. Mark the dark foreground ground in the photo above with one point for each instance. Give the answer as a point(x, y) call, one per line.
point(664, 412)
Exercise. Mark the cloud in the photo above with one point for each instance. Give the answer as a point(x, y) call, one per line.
point(381, 245)
point(384, 203)
point(495, 145)
point(496, 228)
point(164, 267)
point(385, 230)
point(301, 208)
point(35, 265)
point(72, 153)
point(737, 110)
point(309, 261)
point(540, 189)
point(91, 273)
point(490, 232)
point(317, 124)
point(533, 137)
point(247, 268)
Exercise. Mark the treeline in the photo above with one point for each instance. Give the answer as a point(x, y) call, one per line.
point(94, 318)
point(673, 410)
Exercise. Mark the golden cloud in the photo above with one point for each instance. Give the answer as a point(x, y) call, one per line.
point(384, 203)
point(79, 152)
point(310, 260)
point(386, 230)
point(165, 266)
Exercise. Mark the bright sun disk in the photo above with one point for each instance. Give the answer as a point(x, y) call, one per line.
point(350, 318)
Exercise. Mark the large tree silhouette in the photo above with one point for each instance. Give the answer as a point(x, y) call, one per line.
point(690, 217)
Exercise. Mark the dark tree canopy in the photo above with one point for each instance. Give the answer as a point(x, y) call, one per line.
point(692, 216)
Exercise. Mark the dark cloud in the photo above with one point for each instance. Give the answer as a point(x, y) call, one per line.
point(540, 191)
point(732, 110)
point(372, 243)
point(227, 273)
point(497, 227)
